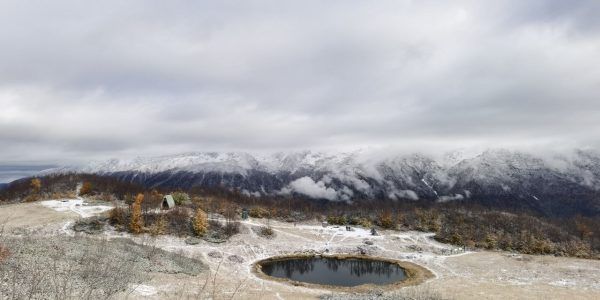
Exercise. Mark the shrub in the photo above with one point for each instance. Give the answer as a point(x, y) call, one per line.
point(36, 185)
point(360, 221)
point(214, 225)
point(152, 201)
point(4, 253)
point(178, 220)
point(364, 222)
point(542, 246)
point(159, 227)
point(267, 231)
point(427, 221)
point(199, 202)
point(86, 188)
point(181, 198)
point(258, 212)
point(31, 198)
point(232, 228)
point(91, 225)
point(137, 223)
point(337, 220)
point(578, 249)
point(230, 212)
point(223, 231)
point(129, 199)
point(456, 239)
point(490, 242)
point(118, 217)
point(200, 222)
point(34, 194)
point(386, 220)
point(296, 216)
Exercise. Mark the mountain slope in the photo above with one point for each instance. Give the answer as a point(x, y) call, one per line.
point(550, 185)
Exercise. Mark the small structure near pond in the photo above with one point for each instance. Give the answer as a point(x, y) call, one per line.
point(168, 202)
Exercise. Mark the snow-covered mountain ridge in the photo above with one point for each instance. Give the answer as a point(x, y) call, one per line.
point(361, 175)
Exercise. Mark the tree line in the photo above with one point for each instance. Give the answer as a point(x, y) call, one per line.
point(459, 223)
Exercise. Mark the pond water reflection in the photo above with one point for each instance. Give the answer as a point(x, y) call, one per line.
point(335, 271)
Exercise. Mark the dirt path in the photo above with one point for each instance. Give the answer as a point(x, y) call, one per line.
point(492, 275)
point(31, 215)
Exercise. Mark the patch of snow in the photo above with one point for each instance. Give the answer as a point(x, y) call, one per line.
point(429, 186)
point(77, 206)
point(357, 232)
point(145, 290)
point(563, 283)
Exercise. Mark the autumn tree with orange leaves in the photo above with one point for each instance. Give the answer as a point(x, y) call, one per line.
point(137, 222)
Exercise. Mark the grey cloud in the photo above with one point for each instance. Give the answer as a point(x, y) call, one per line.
point(103, 79)
point(451, 198)
point(317, 189)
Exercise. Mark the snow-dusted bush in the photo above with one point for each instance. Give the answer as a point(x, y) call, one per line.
point(181, 198)
point(258, 212)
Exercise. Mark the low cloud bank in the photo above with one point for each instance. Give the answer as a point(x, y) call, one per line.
point(404, 194)
point(320, 190)
point(451, 198)
point(317, 189)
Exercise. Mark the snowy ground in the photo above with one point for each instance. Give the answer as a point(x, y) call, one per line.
point(78, 206)
point(471, 275)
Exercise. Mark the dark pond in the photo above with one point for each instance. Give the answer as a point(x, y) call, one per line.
point(334, 271)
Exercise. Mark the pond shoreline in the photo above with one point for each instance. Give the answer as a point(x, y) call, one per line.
point(415, 274)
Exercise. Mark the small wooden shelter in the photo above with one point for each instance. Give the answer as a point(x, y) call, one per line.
point(168, 202)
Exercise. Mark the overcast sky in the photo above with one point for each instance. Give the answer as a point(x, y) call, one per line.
point(86, 80)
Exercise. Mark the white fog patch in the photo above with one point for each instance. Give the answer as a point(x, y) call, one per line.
point(403, 194)
point(451, 198)
point(351, 180)
point(307, 186)
point(588, 179)
point(347, 191)
point(251, 194)
point(445, 178)
point(317, 189)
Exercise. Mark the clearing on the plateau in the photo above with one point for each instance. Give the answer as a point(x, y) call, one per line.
point(146, 266)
